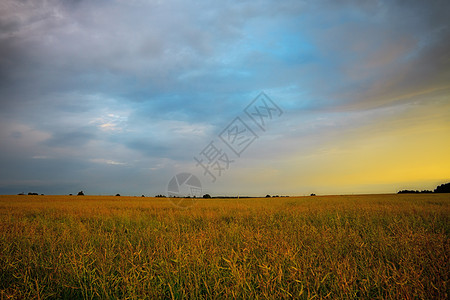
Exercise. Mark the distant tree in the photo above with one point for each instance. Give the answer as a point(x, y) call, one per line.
point(443, 188)
point(21, 193)
point(408, 192)
point(80, 193)
point(142, 196)
point(70, 194)
point(206, 196)
point(414, 192)
point(267, 196)
point(118, 195)
point(312, 194)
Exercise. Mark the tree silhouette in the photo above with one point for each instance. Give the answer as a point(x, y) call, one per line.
point(443, 188)
point(80, 193)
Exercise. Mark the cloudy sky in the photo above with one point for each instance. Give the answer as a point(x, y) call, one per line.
point(119, 96)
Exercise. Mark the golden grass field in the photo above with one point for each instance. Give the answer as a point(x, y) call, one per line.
point(369, 246)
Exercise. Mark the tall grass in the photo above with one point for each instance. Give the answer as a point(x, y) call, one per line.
point(375, 246)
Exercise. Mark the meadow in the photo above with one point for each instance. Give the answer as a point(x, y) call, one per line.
point(346, 247)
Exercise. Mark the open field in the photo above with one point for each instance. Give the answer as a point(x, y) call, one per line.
point(371, 246)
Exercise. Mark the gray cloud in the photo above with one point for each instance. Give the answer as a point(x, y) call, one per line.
point(70, 139)
point(116, 85)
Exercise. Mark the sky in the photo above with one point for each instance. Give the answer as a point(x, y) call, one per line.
point(120, 96)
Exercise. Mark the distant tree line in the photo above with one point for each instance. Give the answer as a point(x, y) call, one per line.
point(30, 193)
point(443, 188)
point(414, 192)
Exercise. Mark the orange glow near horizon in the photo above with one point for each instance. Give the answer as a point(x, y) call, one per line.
point(403, 151)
